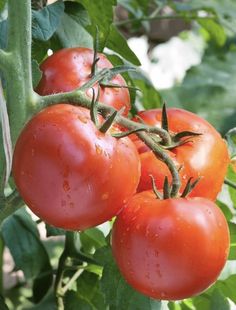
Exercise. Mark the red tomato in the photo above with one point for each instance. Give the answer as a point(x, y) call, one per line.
point(70, 68)
point(170, 249)
point(69, 173)
point(206, 156)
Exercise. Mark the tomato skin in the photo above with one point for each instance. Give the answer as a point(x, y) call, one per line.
point(205, 157)
point(69, 173)
point(170, 249)
point(70, 68)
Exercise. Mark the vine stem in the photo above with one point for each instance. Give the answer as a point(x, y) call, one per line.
point(79, 97)
point(160, 17)
point(230, 183)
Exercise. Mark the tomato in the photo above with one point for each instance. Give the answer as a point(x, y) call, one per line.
point(69, 173)
point(70, 68)
point(206, 156)
point(170, 249)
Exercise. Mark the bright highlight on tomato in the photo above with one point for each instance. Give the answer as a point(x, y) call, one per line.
point(205, 156)
point(70, 68)
point(69, 173)
point(170, 249)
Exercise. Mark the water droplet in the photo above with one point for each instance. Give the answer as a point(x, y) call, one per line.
point(71, 204)
point(32, 152)
point(66, 186)
point(82, 119)
point(137, 226)
point(105, 196)
point(163, 294)
point(128, 228)
point(98, 149)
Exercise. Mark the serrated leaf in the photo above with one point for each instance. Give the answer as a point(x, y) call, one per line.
point(231, 140)
point(22, 238)
point(46, 21)
point(215, 30)
point(118, 44)
point(118, 294)
point(71, 31)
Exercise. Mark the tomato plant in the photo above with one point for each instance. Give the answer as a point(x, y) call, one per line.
point(170, 249)
point(74, 172)
point(69, 173)
point(204, 156)
point(71, 68)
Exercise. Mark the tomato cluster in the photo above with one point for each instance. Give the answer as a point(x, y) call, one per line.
point(74, 176)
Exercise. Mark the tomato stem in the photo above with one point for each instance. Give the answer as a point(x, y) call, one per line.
point(230, 183)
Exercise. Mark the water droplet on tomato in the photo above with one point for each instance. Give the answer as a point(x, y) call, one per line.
point(71, 205)
point(105, 196)
point(66, 186)
point(98, 149)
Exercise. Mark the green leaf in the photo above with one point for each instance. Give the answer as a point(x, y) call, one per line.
point(232, 229)
point(22, 238)
point(226, 210)
point(3, 306)
point(71, 31)
point(118, 44)
point(46, 21)
point(209, 90)
point(231, 140)
point(149, 98)
point(227, 287)
point(215, 30)
point(219, 301)
point(92, 239)
point(54, 231)
point(88, 294)
point(231, 176)
point(118, 294)
point(101, 15)
point(2, 4)
point(36, 73)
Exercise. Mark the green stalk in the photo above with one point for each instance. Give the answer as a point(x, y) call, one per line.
point(79, 97)
point(19, 76)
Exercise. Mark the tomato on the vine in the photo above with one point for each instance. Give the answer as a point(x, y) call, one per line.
point(70, 68)
point(69, 173)
point(170, 249)
point(205, 156)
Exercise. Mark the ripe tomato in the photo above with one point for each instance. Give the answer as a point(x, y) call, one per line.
point(206, 156)
point(70, 68)
point(69, 173)
point(170, 249)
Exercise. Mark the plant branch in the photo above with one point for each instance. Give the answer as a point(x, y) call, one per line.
point(160, 17)
point(79, 97)
point(230, 183)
